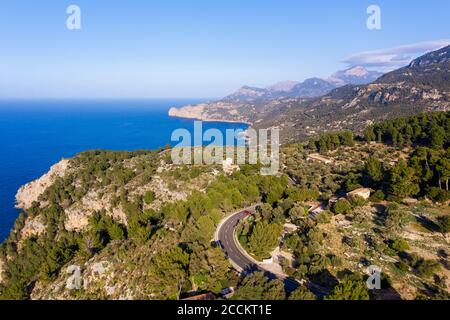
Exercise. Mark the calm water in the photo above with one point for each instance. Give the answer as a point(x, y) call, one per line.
point(36, 135)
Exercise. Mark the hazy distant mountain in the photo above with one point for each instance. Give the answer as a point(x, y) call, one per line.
point(283, 86)
point(422, 86)
point(248, 102)
point(355, 75)
point(311, 88)
point(247, 93)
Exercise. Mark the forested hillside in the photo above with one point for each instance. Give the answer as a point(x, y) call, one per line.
point(140, 227)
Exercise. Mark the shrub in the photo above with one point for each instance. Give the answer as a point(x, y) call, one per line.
point(400, 245)
point(402, 267)
point(342, 206)
point(351, 288)
point(149, 197)
point(438, 195)
point(427, 268)
point(357, 201)
point(444, 224)
point(378, 196)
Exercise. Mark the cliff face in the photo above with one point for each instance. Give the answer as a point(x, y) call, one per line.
point(30, 192)
point(84, 203)
point(217, 111)
point(1, 271)
point(188, 112)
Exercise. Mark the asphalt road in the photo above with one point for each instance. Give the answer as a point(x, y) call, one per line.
point(233, 252)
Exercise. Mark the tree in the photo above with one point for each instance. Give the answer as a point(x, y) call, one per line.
point(199, 230)
point(275, 194)
point(302, 293)
point(275, 291)
point(403, 181)
point(167, 273)
point(347, 138)
point(208, 268)
point(437, 137)
point(369, 134)
point(297, 213)
point(444, 224)
point(257, 286)
point(351, 288)
point(342, 206)
point(374, 170)
point(264, 238)
point(438, 195)
point(400, 245)
point(443, 171)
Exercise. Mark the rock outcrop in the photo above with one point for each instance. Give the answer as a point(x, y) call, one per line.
point(30, 192)
point(33, 227)
point(1, 271)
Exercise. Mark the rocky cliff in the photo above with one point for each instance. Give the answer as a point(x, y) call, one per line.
point(31, 192)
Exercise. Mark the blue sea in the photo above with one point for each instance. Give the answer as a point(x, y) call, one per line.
point(34, 135)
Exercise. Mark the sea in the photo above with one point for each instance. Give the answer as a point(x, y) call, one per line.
point(34, 135)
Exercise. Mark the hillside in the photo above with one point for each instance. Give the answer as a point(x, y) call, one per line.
point(140, 227)
point(424, 85)
point(248, 103)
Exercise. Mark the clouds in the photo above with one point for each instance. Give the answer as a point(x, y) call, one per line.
point(396, 57)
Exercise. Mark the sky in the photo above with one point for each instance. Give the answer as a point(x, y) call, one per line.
point(202, 49)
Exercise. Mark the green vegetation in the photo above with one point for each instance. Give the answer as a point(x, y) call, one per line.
point(149, 197)
point(302, 293)
point(428, 170)
point(332, 141)
point(400, 245)
point(444, 224)
point(258, 287)
point(263, 239)
point(161, 248)
point(351, 288)
point(342, 206)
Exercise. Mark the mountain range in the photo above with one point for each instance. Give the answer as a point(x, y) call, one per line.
point(306, 109)
point(310, 88)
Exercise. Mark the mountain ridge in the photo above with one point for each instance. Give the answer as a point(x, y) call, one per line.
point(244, 104)
point(421, 86)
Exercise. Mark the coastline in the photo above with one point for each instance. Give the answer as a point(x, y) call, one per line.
point(211, 120)
point(147, 127)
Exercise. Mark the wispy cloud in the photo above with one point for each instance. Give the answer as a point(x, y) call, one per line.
point(396, 57)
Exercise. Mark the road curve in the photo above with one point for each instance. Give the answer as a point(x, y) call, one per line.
point(240, 261)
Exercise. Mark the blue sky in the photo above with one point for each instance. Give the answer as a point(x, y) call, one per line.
point(198, 48)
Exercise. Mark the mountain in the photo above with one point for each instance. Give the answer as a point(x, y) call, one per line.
point(422, 86)
point(432, 70)
point(245, 104)
point(247, 93)
point(311, 88)
point(283, 86)
point(355, 75)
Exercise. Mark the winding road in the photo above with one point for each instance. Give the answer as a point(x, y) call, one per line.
point(239, 259)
